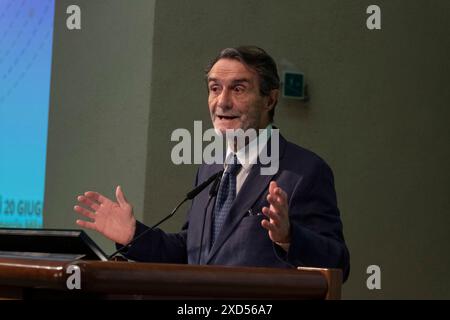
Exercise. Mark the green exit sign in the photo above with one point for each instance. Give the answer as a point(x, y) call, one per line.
point(293, 85)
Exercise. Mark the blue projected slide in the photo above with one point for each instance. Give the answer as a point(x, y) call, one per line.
point(26, 32)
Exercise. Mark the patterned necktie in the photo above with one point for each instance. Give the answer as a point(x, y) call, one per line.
point(225, 197)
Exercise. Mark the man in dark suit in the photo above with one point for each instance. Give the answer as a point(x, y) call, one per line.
point(287, 218)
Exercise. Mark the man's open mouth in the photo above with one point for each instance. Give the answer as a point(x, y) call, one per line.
point(227, 117)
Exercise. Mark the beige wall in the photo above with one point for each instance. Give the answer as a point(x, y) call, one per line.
point(378, 114)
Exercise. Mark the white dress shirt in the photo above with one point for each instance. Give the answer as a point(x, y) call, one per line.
point(247, 155)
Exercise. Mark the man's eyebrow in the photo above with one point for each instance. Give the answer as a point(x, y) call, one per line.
point(235, 81)
point(240, 81)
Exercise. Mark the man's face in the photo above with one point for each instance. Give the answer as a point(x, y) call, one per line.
point(234, 98)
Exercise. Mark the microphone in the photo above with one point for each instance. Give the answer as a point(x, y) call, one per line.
point(192, 194)
point(212, 193)
point(189, 196)
point(215, 187)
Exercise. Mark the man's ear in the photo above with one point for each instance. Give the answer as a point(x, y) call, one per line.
point(272, 99)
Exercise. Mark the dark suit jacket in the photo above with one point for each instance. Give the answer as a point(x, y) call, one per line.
point(316, 228)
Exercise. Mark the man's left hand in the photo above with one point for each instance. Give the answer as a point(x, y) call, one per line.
point(277, 223)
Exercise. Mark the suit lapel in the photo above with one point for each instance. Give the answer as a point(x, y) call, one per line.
point(254, 186)
point(207, 216)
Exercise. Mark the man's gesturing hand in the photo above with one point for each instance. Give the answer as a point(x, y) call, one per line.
point(115, 220)
point(278, 224)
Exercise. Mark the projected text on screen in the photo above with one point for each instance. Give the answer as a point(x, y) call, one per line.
point(26, 32)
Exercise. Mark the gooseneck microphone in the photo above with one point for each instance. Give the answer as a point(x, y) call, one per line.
point(189, 196)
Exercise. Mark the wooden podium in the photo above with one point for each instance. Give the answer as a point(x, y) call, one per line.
point(27, 278)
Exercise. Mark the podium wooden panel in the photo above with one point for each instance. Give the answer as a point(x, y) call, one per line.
point(46, 279)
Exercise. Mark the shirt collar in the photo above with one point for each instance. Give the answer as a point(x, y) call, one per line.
point(248, 155)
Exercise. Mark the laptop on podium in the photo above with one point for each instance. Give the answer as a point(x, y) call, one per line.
point(49, 244)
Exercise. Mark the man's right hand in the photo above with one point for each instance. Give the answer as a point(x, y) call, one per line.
point(115, 220)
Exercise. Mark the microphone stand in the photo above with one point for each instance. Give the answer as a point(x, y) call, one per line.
point(189, 196)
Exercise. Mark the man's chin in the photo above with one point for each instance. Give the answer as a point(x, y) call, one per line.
point(229, 124)
point(219, 131)
point(222, 130)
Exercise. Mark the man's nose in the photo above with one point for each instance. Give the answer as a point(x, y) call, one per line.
point(224, 100)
